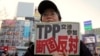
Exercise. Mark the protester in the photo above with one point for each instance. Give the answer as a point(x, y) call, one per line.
point(50, 13)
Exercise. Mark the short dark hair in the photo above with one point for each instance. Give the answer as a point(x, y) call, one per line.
point(46, 4)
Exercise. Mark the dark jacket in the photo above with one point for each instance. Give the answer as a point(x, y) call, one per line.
point(30, 51)
point(84, 51)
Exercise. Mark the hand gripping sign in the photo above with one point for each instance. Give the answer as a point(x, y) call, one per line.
point(59, 37)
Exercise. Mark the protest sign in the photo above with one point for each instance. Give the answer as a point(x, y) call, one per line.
point(57, 37)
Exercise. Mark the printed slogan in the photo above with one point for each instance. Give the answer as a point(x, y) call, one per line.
point(59, 37)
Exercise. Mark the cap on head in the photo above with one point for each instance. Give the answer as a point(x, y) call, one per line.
point(46, 4)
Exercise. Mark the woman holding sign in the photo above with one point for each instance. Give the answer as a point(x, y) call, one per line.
point(50, 13)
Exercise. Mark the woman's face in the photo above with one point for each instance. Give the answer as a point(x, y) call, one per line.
point(50, 15)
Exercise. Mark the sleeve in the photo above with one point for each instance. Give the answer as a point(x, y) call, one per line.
point(84, 51)
point(30, 51)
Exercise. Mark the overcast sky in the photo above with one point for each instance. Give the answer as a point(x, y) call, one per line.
point(71, 10)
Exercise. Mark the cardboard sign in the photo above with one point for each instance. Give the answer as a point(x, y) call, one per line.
point(57, 37)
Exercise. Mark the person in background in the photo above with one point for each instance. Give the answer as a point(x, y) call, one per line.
point(30, 50)
point(50, 13)
point(4, 53)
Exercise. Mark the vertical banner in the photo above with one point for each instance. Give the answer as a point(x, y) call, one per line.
point(26, 29)
point(8, 32)
point(57, 37)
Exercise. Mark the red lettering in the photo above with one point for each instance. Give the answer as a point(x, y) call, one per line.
point(51, 45)
point(62, 43)
point(40, 46)
point(65, 43)
point(73, 43)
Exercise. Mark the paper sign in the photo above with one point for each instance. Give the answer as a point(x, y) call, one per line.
point(57, 37)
